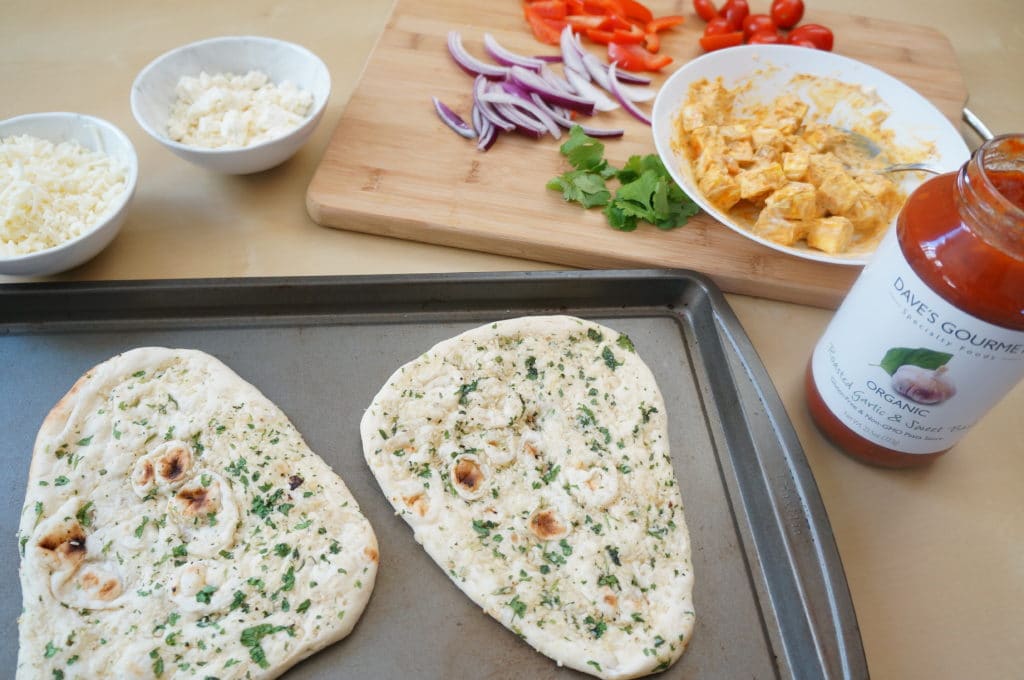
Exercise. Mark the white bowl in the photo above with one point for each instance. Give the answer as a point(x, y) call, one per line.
point(153, 95)
point(95, 134)
point(914, 121)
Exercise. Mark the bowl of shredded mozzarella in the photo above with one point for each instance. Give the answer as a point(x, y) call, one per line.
point(233, 104)
point(66, 180)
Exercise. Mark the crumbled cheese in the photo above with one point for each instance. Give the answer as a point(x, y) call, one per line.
point(51, 193)
point(227, 110)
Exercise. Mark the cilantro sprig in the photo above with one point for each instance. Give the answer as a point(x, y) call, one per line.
point(646, 191)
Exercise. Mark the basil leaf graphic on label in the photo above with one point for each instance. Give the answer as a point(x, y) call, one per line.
point(902, 356)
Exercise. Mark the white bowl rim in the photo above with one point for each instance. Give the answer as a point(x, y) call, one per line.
point(838, 59)
point(126, 195)
point(313, 115)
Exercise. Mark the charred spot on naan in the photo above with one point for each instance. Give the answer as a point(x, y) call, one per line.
point(468, 476)
point(144, 473)
point(174, 463)
point(418, 503)
point(65, 544)
point(546, 525)
point(103, 587)
point(196, 500)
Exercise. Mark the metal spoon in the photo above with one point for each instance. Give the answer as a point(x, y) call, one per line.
point(975, 124)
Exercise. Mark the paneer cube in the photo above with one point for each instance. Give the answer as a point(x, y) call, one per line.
point(820, 166)
point(760, 180)
point(735, 133)
point(778, 229)
point(830, 234)
point(867, 214)
point(762, 137)
point(706, 138)
point(719, 187)
point(738, 153)
point(823, 137)
point(795, 165)
point(795, 201)
point(839, 192)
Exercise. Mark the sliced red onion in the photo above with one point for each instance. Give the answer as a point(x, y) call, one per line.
point(561, 116)
point(452, 119)
point(633, 93)
point(534, 83)
point(600, 132)
point(549, 58)
point(572, 55)
point(527, 106)
point(508, 57)
point(596, 70)
point(587, 89)
point(468, 62)
point(480, 86)
point(487, 134)
point(556, 81)
point(616, 89)
point(523, 123)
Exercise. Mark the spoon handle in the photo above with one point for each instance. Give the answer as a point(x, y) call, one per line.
point(971, 119)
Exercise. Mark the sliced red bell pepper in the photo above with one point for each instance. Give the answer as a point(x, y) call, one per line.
point(721, 40)
point(549, 9)
point(545, 29)
point(652, 42)
point(632, 9)
point(636, 58)
point(664, 23)
point(581, 23)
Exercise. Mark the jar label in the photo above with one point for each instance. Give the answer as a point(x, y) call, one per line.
point(905, 369)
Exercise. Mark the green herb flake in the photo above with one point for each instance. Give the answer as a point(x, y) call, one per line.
point(142, 527)
point(303, 606)
point(518, 607)
point(282, 549)
point(206, 594)
point(51, 650)
point(61, 481)
point(85, 441)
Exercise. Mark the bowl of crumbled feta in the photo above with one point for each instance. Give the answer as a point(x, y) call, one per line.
point(66, 181)
point(234, 104)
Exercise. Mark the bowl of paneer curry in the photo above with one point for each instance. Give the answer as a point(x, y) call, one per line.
point(787, 146)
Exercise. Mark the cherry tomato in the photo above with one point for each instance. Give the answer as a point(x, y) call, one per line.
point(816, 34)
point(755, 23)
point(720, 40)
point(705, 9)
point(768, 37)
point(787, 13)
point(718, 26)
point(736, 11)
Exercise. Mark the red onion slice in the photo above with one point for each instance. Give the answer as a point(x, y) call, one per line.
point(487, 133)
point(452, 119)
point(527, 106)
point(616, 89)
point(469, 63)
point(480, 86)
point(534, 83)
point(587, 89)
point(508, 57)
point(572, 55)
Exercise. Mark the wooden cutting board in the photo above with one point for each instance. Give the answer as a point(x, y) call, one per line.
point(392, 168)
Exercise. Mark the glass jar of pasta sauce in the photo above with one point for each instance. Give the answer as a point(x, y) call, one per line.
point(931, 336)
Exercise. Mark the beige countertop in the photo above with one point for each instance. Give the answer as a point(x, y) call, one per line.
point(934, 557)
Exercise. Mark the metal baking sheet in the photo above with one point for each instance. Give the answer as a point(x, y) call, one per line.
point(770, 594)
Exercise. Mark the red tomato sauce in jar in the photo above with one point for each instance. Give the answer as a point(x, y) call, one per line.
point(962, 234)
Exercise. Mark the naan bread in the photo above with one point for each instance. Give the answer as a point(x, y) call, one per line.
point(531, 459)
point(177, 525)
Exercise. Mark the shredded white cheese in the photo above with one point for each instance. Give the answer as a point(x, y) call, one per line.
point(227, 110)
point(51, 193)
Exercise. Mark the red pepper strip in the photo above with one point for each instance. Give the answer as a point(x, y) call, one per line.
point(549, 9)
point(545, 30)
point(720, 40)
point(636, 58)
point(582, 22)
point(632, 9)
point(652, 42)
point(664, 23)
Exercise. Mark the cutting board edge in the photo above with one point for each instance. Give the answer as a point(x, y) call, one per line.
point(390, 226)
